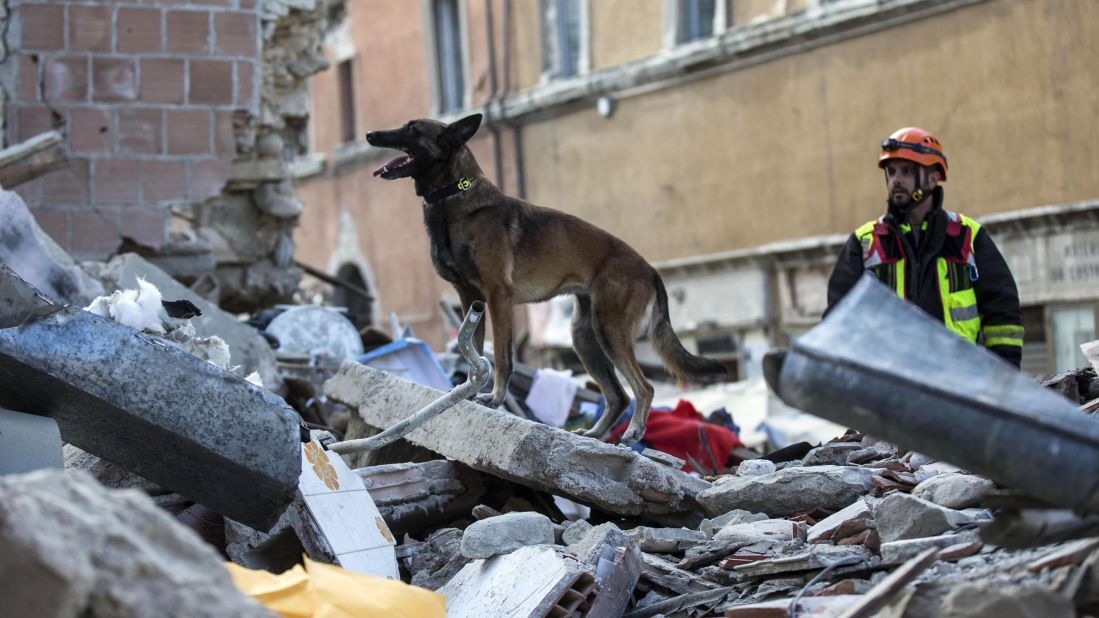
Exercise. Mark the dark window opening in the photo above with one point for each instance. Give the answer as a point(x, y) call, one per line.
point(561, 37)
point(695, 20)
point(359, 305)
point(448, 55)
point(347, 102)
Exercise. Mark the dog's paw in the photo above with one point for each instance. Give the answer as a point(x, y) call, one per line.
point(489, 400)
point(588, 433)
point(631, 437)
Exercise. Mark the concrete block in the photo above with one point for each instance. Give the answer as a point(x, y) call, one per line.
point(954, 491)
point(824, 528)
point(788, 492)
point(71, 547)
point(668, 540)
point(506, 533)
point(755, 467)
point(156, 411)
point(615, 560)
point(608, 477)
point(901, 516)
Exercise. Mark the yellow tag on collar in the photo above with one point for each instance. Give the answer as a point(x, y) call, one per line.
point(464, 184)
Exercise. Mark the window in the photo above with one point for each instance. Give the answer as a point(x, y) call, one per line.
point(450, 79)
point(563, 53)
point(347, 101)
point(694, 20)
point(1072, 325)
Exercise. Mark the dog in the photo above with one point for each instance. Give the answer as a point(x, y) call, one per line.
point(504, 251)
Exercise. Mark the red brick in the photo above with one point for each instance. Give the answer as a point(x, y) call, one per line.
point(225, 143)
point(247, 4)
point(89, 28)
point(211, 82)
point(117, 182)
point(207, 178)
point(161, 80)
point(138, 30)
point(94, 232)
point(140, 131)
point(114, 79)
point(246, 72)
point(67, 186)
point(235, 34)
point(188, 32)
point(90, 129)
point(164, 181)
point(188, 131)
point(215, 3)
point(28, 77)
point(147, 227)
point(65, 79)
point(34, 120)
point(43, 26)
point(31, 192)
point(55, 223)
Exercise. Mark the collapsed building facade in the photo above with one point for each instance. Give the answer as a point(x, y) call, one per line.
point(731, 143)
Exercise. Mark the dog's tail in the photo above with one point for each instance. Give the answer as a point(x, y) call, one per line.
point(677, 359)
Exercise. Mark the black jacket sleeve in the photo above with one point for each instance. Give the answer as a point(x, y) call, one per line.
point(846, 273)
point(997, 301)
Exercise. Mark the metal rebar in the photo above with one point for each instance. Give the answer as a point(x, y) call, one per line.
point(478, 377)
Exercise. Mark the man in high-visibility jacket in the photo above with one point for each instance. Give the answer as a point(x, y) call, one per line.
point(943, 262)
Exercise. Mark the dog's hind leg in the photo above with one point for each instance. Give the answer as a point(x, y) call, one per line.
point(617, 316)
point(599, 367)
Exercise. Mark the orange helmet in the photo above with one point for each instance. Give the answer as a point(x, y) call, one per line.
point(913, 144)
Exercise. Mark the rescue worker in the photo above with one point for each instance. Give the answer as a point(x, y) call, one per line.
point(943, 262)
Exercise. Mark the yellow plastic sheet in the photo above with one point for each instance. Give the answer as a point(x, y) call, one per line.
point(326, 591)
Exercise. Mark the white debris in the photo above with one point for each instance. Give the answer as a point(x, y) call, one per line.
point(139, 309)
point(254, 379)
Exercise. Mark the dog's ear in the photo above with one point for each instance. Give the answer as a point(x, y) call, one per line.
point(459, 133)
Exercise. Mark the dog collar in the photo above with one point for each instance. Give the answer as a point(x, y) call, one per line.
point(462, 184)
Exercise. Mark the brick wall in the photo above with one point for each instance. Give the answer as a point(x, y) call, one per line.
point(145, 95)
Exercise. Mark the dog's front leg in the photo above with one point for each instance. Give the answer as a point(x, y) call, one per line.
point(499, 312)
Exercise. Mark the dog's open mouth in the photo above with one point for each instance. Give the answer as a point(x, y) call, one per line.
point(393, 165)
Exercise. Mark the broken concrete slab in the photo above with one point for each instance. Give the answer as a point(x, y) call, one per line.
point(611, 478)
point(506, 533)
point(735, 516)
point(665, 575)
point(823, 530)
point(818, 557)
point(29, 251)
point(990, 601)
point(74, 548)
point(247, 347)
point(901, 516)
point(831, 454)
point(766, 531)
point(900, 551)
point(576, 532)
point(533, 581)
point(415, 496)
point(954, 491)
point(108, 474)
point(788, 492)
point(205, 433)
point(668, 540)
point(808, 607)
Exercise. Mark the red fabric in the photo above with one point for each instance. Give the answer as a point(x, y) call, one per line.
point(675, 432)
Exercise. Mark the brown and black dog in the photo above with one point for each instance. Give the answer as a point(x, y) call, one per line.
point(504, 251)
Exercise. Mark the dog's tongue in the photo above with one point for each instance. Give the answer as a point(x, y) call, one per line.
point(392, 163)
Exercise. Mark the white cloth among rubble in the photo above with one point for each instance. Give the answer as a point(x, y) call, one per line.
point(551, 395)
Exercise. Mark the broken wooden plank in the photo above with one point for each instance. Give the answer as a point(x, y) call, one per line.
point(880, 595)
point(28, 160)
point(1069, 554)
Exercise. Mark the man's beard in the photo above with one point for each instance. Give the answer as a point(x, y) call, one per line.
point(899, 205)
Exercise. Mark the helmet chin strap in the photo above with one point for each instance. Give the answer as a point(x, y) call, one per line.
point(918, 193)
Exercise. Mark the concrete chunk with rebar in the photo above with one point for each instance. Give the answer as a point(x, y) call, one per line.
point(611, 478)
point(146, 406)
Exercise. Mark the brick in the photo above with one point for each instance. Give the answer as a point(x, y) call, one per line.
point(188, 131)
point(247, 4)
point(54, 222)
point(67, 186)
point(138, 30)
point(207, 179)
point(117, 182)
point(147, 227)
point(43, 26)
point(34, 120)
point(31, 192)
point(140, 131)
point(65, 79)
point(28, 77)
point(93, 232)
point(224, 4)
point(235, 34)
point(114, 79)
point(89, 28)
point(188, 32)
point(246, 72)
point(211, 82)
point(162, 80)
point(164, 181)
point(90, 129)
point(225, 143)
